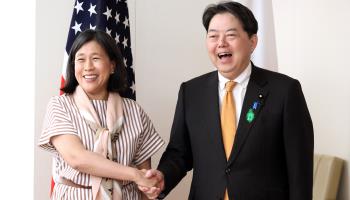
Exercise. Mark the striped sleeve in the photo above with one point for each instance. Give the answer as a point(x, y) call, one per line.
point(56, 122)
point(150, 141)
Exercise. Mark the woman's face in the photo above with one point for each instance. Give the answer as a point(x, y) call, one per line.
point(92, 70)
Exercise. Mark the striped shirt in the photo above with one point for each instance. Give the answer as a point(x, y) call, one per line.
point(138, 141)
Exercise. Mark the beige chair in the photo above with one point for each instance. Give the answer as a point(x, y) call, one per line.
point(327, 171)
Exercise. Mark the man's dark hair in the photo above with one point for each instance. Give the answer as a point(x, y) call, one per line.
point(241, 12)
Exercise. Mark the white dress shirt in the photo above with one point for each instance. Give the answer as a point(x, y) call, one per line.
point(238, 91)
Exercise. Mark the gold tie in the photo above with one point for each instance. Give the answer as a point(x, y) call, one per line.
point(228, 118)
point(228, 121)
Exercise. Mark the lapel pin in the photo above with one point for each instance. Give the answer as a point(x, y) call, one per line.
point(261, 97)
point(255, 105)
point(250, 115)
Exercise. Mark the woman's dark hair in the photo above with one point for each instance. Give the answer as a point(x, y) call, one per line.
point(117, 80)
point(241, 12)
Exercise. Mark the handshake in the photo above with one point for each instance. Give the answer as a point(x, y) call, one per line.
point(150, 182)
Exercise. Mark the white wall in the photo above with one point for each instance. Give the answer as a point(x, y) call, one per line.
point(313, 46)
point(169, 48)
point(17, 99)
point(52, 21)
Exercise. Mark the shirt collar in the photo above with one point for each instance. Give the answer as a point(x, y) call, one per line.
point(242, 79)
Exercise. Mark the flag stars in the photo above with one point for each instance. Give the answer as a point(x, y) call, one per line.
point(76, 27)
point(125, 60)
point(125, 42)
point(117, 17)
point(109, 31)
point(117, 38)
point(126, 22)
point(79, 6)
point(132, 87)
point(92, 27)
point(108, 13)
point(92, 9)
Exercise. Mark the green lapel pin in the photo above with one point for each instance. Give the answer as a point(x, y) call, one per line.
point(250, 115)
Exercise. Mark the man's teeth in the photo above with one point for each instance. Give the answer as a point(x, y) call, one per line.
point(221, 55)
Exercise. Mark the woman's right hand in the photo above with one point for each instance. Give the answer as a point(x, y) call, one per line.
point(153, 192)
point(141, 180)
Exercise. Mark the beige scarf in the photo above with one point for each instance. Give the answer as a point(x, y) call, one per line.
point(104, 137)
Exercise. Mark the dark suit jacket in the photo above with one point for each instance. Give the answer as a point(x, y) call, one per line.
point(272, 155)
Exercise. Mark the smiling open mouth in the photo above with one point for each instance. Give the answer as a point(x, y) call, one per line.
point(224, 55)
point(90, 77)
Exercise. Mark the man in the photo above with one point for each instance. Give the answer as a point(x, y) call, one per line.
point(270, 153)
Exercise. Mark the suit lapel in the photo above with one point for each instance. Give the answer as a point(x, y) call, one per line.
point(253, 102)
point(212, 116)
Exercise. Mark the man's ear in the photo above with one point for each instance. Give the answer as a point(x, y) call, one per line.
point(253, 42)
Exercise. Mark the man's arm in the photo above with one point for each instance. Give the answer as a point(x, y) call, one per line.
point(299, 143)
point(177, 158)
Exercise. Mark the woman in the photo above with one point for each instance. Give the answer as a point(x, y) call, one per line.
point(100, 141)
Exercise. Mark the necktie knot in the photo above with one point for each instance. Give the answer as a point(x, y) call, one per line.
point(229, 86)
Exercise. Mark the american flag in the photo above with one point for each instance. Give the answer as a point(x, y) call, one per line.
point(111, 16)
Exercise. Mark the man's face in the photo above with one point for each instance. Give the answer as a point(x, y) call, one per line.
point(229, 46)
